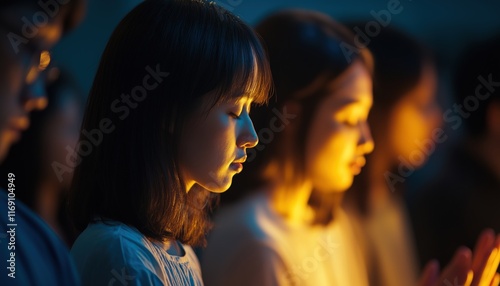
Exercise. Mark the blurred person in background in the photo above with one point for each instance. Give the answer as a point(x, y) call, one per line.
point(268, 236)
point(41, 182)
point(39, 255)
point(313, 140)
point(404, 114)
point(464, 197)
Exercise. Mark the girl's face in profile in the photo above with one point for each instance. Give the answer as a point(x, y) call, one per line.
point(414, 118)
point(213, 145)
point(339, 136)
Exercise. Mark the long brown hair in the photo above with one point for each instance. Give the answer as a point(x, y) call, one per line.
point(192, 49)
point(306, 51)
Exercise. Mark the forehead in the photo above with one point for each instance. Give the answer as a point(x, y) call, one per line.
point(353, 85)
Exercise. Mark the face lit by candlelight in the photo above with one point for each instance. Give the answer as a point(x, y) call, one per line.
point(22, 90)
point(213, 146)
point(339, 136)
point(414, 117)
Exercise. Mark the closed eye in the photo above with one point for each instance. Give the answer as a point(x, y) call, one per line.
point(234, 115)
point(351, 123)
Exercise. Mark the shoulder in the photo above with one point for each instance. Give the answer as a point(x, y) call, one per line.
point(248, 239)
point(252, 262)
point(104, 238)
point(39, 252)
point(107, 252)
point(251, 219)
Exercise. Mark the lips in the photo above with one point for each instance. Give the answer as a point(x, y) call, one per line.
point(358, 164)
point(237, 165)
point(360, 161)
point(241, 160)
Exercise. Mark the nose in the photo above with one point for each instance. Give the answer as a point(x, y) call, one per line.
point(366, 144)
point(248, 137)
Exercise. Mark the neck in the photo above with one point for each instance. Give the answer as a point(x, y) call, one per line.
point(377, 170)
point(291, 201)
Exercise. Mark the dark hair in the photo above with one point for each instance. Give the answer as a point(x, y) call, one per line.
point(306, 51)
point(31, 149)
point(480, 59)
point(133, 175)
point(399, 64)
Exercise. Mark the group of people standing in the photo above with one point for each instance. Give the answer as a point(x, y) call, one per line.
point(309, 132)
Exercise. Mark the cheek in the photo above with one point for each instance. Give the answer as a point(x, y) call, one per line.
point(12, 78)
point(208, 148)
point(330, 154)
point(10, 89)
point(217, 135)
point(409, 127)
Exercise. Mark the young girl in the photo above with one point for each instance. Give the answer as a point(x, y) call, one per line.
point(315, 137)
point(167, 118)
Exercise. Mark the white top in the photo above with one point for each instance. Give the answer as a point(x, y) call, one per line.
point(112, 253)
point(349, 267)
point(388, 241)
point(253, 245)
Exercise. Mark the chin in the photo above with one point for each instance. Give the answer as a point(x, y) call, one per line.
point(339, 185)
point(344, 183)
point(219, 187)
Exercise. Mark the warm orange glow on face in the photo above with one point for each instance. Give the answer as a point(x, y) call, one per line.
point(39, 65)
point(339, 135)
point(44, 60)
point(213, 146)
point(413, 119)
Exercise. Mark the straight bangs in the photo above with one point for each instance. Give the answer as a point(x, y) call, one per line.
point(241, 68)
point(252, 77)
point(194, 50)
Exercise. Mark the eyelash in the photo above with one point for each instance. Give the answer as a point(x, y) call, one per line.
point(351, 124)
point(234, 115)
